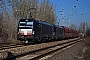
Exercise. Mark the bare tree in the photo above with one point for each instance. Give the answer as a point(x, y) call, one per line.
point(11, 11)
point(88, 31)
point(83, 27)
point(26, 8)
point(6, 21)
point(72, 26)
point(46, 12)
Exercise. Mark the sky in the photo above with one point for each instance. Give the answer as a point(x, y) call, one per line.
point(74, 11)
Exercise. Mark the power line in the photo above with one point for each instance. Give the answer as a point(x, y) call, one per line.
point(68, 11)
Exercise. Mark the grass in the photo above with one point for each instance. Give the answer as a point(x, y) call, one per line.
point(87, 53)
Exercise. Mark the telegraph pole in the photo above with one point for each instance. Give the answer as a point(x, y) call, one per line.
point(68, 22)
point(62, 14)
point(58, 22)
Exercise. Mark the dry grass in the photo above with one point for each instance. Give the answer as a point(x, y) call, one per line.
point(87, 53)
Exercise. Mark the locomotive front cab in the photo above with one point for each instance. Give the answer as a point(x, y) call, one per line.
point(25, 30)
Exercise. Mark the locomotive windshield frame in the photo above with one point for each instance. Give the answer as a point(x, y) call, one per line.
point(25, 24)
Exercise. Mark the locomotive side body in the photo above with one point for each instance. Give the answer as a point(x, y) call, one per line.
point(43, 31)
point(58, 32)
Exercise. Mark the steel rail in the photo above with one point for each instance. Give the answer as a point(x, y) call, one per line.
point(26, 53)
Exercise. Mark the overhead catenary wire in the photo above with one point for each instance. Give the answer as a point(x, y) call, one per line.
point(75, 6)
point(68, 10)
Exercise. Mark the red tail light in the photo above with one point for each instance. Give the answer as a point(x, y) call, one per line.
point(21, 33)
point(22, 36)
point(29, 33)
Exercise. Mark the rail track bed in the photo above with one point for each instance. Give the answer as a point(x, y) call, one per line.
point(39, 50)
point(39, 54)
point(8, 46)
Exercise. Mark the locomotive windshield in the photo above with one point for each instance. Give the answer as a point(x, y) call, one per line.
point(26, 25)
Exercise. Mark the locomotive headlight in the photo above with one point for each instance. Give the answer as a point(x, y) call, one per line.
point(18, 32)
point(19, 29)
point(33, 32)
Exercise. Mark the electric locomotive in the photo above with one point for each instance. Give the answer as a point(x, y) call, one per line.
point(31, 30)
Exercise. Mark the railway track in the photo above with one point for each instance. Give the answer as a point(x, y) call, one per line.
point(8, 46)
point(48, 53)
point(40, 53)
